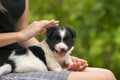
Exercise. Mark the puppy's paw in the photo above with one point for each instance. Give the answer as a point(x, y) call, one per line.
point(56, 67)
point(68, 63)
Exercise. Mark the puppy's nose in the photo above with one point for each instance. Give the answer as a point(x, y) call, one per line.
point(62, 50)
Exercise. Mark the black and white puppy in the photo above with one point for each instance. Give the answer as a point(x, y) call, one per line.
point(50, 54)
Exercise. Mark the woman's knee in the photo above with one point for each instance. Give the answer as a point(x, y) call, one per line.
point(101, 72)
point(105, 75)
point(109, 74)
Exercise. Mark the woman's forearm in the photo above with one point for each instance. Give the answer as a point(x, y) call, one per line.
point(9, 38)
point(27, 33)
point(29, 42)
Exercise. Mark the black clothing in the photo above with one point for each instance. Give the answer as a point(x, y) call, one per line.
point(8, 20)
point(15, 9)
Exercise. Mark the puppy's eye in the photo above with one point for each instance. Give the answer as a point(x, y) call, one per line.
point(56, 38)
point(66, 38)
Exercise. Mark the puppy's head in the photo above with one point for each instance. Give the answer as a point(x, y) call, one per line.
point(60, 39)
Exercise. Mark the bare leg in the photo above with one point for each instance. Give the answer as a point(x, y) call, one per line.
point(103, 71)
point(92, 74)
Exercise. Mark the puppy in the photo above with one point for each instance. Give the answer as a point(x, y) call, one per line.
point(50, 54)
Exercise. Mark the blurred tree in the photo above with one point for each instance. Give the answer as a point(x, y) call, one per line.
point(97, 23)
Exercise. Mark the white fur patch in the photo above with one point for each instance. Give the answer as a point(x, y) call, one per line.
point(62, 33)
point(60, 46)
point(6, 68)
point(27, 63)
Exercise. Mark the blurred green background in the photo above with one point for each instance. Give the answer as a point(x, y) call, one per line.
point(96, 22)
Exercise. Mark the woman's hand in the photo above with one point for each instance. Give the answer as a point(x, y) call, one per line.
point(78, 65)
point(37, 27)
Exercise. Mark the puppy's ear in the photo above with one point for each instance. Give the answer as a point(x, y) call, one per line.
point(50, 31)
point(72, 32)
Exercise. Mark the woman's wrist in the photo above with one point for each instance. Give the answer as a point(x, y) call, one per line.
point(22, 36)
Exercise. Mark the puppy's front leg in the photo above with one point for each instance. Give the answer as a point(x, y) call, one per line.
point(53, 65)
point(68, 60)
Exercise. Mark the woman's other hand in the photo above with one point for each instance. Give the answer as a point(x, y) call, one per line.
point(78, 65)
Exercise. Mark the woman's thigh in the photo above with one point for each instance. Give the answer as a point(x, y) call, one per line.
point(92, 74)
point(106, 72)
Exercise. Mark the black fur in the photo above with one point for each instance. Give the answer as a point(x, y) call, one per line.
point(38, 52)
point(21, 51)
point(69, 37)
point(72, 32)
point(12, 64)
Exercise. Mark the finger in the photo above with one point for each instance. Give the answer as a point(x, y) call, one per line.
point(78, 59)
point(43, 23)
point(47, 22)
point(72, 67)
point(56, 25)
point(69, 68)
point(75, 60)
point(53, 23)
point(82, 61)
point(78, 66)
point(75, 67)
point(78, 62)
point(82, 68)
point(42, 31)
